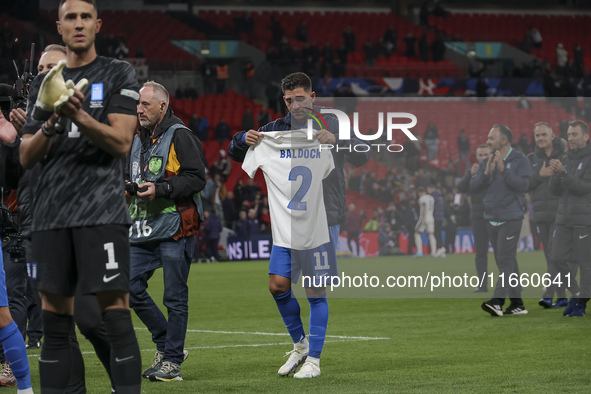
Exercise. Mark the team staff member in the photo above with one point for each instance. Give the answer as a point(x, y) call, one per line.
point(80, 222)
point(505, 176)
point(166, 160)
point(438, 211)
point(545, 204)
point(476, 217)
point(571, 180)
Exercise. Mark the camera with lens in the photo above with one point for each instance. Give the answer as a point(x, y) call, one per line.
point(12, 97)
point(15, 96)
point(132, 188)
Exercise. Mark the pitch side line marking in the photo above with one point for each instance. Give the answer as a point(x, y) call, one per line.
point(276, 334)
point(235, 346)
point(339, 338)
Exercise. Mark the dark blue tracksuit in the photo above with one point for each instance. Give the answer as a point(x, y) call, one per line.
point(504, 206)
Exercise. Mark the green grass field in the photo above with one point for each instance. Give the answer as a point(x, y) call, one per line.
point(237, 339)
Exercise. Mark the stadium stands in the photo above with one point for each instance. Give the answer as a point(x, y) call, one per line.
point(452, 115)
point(151, 29)
point(323, 27)
point(449, 115)
point(401, 67)
point(511, 28)
point(229, 105)
point(328, 27)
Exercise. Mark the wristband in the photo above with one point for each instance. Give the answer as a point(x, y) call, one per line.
point(46, 132)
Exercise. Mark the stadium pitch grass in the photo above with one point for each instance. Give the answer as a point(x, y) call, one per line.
point(237, 340)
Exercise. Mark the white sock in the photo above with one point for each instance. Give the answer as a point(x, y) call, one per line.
point(25, 391)
point(301, 345)
point(419, 243)
point(313, 360)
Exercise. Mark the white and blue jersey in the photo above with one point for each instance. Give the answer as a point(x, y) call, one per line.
point(294, 168)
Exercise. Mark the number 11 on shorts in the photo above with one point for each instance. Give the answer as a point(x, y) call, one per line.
point(319, 265)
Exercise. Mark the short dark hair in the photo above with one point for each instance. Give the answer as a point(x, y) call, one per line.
point(296, 80)
point(505, 131)
point(544, 124)
point(93, 2)
point(584, 126)
point(421, 189)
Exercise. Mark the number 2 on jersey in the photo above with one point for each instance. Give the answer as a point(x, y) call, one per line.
point(296, 202)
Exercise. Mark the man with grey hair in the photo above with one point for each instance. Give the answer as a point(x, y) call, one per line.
point(545, 204)
point(165, 173)
point(505, 176)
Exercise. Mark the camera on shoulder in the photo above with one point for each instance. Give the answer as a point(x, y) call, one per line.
point(12, 236)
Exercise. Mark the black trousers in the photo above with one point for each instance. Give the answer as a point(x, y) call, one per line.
point(481, 245)
point(353, 236)
point(211, 248)
point(545, 231)
point(451, 231)
point(504, 239)
point(16, 287)
point(438, 230)
point(570, 248)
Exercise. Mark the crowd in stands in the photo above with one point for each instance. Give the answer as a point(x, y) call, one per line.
point(298, 48)
point(245, 209)
point(394, 209)
point(327, 59)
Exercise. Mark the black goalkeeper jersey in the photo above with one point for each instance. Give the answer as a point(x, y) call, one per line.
point(80, 184)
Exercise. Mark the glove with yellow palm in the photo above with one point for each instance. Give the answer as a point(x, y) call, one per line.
point(54, 93)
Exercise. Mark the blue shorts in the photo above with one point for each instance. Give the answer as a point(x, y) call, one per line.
point(315, 264)
point(3, 293)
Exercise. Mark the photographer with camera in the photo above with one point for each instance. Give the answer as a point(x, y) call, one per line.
point(10, 336)
point(167, 173)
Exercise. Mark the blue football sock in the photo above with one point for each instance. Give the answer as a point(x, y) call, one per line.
point(289, 308)
point(318, 324)
point(16, 354)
